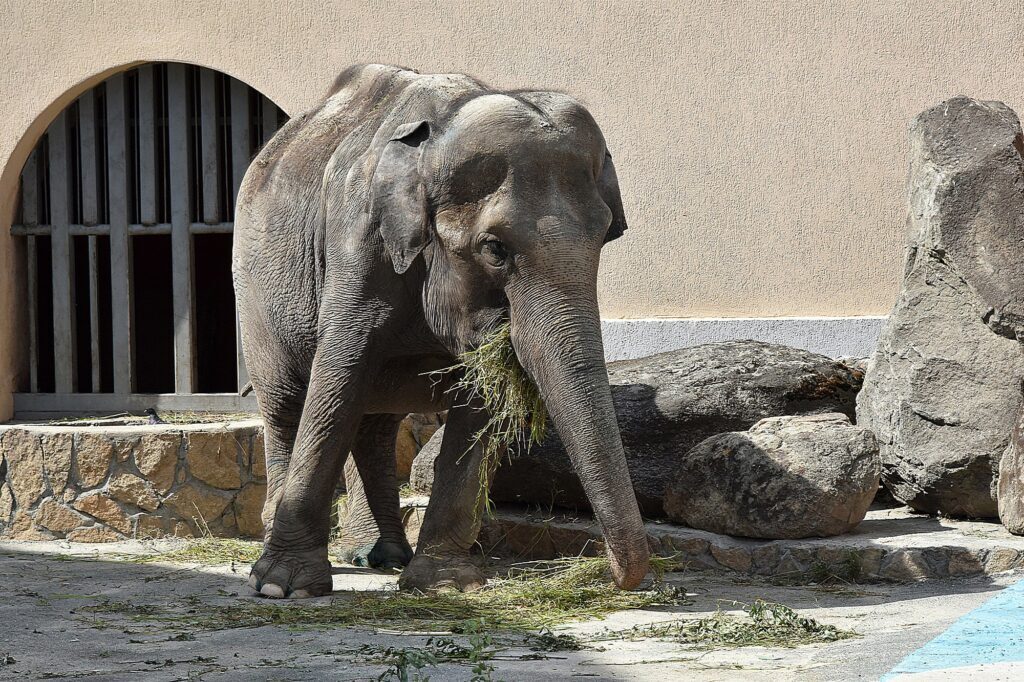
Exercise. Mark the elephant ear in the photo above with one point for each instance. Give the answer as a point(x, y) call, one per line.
point(608, 188)
point(398, 200)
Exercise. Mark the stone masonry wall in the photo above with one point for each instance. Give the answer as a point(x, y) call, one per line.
point(99, 484)
point(106, 483)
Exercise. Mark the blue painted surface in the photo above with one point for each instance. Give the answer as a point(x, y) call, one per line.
point(991, 633)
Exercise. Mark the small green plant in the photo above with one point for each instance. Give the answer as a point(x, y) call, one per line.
point(406, 664)
point(546, 640)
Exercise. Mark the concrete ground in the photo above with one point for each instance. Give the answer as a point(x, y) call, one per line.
point(47, 631)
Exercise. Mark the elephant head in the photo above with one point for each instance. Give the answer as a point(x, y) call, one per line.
point(509, 199)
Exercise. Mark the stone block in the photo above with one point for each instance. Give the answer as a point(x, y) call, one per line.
point(248, 508)
point(101, 507)
point(735, 558)
point(93, 455)
point(22, 528)
point(1004, 559)
point(57, 460)
point(24, 467)
point(789, 565)
point(156, 456)
point(689, 548)
point(123, 448)
point(765, 558)
point(905, 566)
point(203, 506)
point(6, 503)
point(151, 526)
point(93, 534)
point(964, 562)
point(133, 490)
point(870, 561)
point(56, 517)
point(213, 458)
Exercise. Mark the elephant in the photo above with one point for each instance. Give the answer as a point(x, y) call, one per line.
point(379, 236)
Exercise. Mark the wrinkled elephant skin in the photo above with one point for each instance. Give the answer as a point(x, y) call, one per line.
point(377, 237)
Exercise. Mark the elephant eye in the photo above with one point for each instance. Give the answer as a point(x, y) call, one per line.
point(494, 252)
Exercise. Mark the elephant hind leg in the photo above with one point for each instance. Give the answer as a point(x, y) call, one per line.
point(278, 441)
point(372, 533)
point(280, 398)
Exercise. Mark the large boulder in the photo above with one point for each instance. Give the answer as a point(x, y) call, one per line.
point(668, 403)
point(944, 385)
point(786, 477)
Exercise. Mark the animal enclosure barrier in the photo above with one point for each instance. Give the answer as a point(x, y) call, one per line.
point(126, 211)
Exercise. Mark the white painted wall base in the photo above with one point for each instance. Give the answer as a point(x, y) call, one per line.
point(832, 336)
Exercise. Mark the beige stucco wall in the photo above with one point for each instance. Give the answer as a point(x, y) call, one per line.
point(761, 145)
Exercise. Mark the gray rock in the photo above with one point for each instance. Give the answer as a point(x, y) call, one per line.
point(421, 475)
point(943, 387)
point(668, 403)
point(1010, 494)
point(787, 477)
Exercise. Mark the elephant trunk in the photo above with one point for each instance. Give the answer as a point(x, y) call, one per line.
point(557, 338)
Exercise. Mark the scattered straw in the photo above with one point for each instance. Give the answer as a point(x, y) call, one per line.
point(207, 551)
point(532, 597)
point(169, 417)
point(763, 624)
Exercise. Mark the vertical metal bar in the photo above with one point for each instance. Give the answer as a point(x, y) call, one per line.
point(147, 147)
point(30, 216)
point(121, 291)
point(208, 126)
point(30, 190)
point(33, 314)
point(181, 239)
point(87, 156)
point(269, 119)
point(94, 313)
point(241, 154)
point(63, 265)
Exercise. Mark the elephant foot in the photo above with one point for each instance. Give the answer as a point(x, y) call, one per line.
point(428, 573)
point(292, 575)
point(380, 554)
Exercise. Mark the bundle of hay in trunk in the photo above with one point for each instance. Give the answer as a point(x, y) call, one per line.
point(517, 412)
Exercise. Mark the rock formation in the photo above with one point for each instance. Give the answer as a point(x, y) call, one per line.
point(944, 385)
point(786, 477)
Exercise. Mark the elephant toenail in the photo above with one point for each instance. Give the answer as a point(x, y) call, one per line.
point(272, 591)
point(300, 594)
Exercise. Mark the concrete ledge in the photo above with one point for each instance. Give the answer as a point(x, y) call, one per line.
point(890, 544)
point(831, 336)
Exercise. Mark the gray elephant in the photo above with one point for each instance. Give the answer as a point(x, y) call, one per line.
point(377, 237)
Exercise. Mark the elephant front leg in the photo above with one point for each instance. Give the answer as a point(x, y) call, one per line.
point(372, 533)
point(456, 508)
point(294, 561)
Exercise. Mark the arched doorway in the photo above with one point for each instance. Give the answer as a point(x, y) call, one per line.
point(126, 208)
